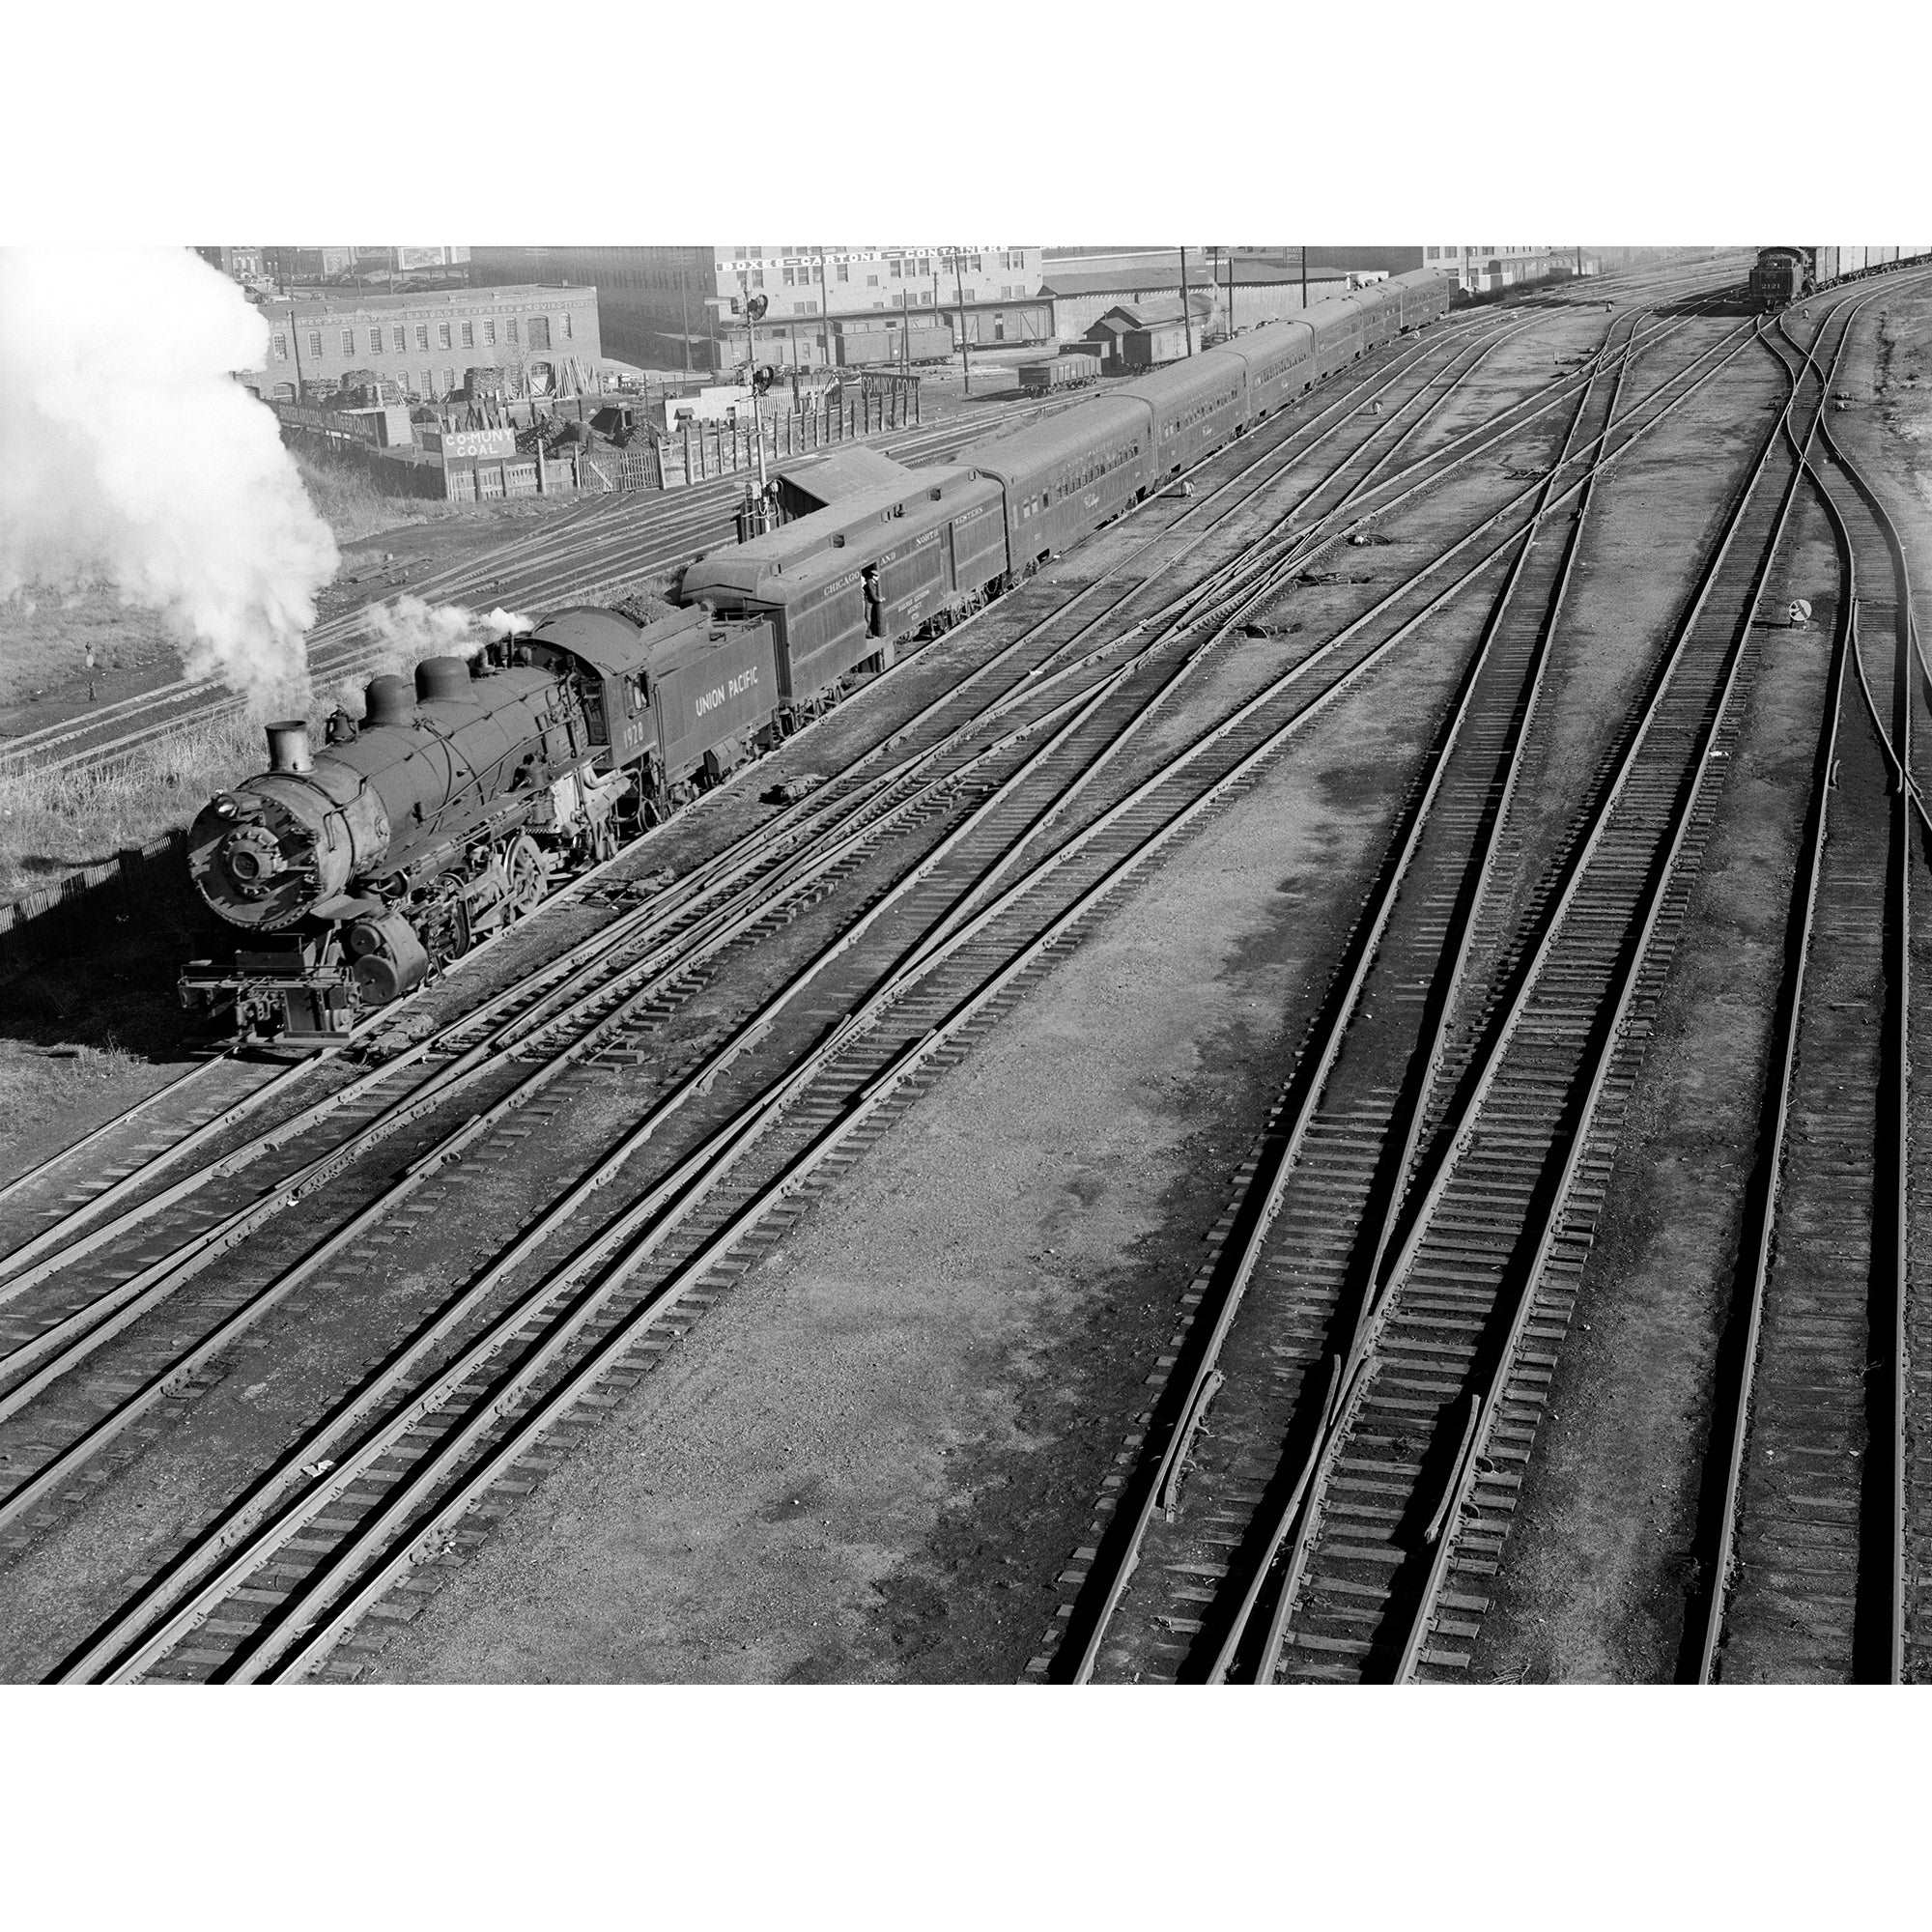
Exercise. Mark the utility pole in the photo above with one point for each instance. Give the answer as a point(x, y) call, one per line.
point(755, 307)
point(965, 361)
point(684, 314)
point(905, 329)
point(1304, 275)
point(1229, 253)
point(296, 343)
point(1186, 308)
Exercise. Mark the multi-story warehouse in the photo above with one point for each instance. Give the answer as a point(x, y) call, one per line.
point(427, 343)
point(683, 308)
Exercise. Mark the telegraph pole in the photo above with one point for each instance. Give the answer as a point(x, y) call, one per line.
point(1186, 308)
point(684, 314)
point(965, 361)
point(755, 307)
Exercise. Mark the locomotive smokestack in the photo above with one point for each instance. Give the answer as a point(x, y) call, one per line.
point(288, 746)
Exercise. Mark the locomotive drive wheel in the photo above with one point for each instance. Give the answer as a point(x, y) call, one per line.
point(527, 880)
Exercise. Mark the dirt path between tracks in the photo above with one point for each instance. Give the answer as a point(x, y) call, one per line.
point(872, 1460)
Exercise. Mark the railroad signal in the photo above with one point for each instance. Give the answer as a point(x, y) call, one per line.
point(756, 307)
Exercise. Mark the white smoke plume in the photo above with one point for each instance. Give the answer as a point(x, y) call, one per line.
point(411, 629)
point(133, 460)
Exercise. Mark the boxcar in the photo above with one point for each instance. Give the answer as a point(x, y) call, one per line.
point(875, 348)
point(1064, 478)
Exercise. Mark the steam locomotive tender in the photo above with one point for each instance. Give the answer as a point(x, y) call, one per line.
point(355, 872)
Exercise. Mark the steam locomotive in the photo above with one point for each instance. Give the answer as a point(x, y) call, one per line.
point(440, 817)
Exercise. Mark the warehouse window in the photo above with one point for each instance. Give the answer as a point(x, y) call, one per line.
point(896, 269)
point(569, 330)
point(442, 335)
point(539, 332)
point(844, 271)
point(398, 340)
point(790, 276)
point(375, 342)
point(422, 336)
point(489, 328)
point(281, 346)
point(469, 336)
point(509, 329)
point(448, 381)
point(872, 281)
point(349, 342)
point(314, 342)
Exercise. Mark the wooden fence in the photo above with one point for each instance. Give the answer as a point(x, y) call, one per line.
point(145, 884)
point(698, 451)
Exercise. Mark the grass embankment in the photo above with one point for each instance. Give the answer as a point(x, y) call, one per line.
point(354, 509)
point(52, 823)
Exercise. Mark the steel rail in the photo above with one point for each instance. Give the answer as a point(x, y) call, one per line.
point(1057, 858)
point(111, 1315)
point(1891, 1124)
point(1421, 1620)
point(1429, 1188)
point(759, 836)
point(1458, 949)
point(1364, 947)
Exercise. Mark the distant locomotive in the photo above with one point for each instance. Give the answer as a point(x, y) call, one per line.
point(1781, 276)
point(357, 870)
point(1778, 276)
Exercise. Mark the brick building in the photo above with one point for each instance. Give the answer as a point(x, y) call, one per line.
point(244, 264)
point(682, 306)
point(428, 342)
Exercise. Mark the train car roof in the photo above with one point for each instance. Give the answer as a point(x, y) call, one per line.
point(1265, 338)
point(1059, 436)
point(607, 640)
point(1183, 379)
point(841, 473)
point(759, 569)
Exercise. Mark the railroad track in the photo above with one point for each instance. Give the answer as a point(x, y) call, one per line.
point(227, 1089)
point(1813, 1575)
point(916, 940)
point(1419, 1211)
point(71, 1292)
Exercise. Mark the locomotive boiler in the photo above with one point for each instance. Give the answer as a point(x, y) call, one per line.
point(355, 872)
